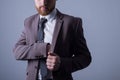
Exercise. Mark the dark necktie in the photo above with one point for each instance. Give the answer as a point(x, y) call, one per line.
point(45, 73)
point(41, 29)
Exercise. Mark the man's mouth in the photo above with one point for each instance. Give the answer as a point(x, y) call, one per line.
point(44, 8)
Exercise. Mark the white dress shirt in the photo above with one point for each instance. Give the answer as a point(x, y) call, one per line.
point(49, 26)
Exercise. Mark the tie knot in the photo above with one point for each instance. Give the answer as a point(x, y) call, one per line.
point(43, 20)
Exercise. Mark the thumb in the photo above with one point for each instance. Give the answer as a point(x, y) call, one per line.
point(51, 54)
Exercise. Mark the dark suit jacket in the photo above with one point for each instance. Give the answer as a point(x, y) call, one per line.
point(68, 42)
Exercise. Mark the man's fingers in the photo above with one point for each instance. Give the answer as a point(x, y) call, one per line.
point(50, 64)
point(53, 61)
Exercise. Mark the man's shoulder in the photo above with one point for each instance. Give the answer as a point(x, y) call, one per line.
point(31, 18)
point(73, 20)
point(70, 17)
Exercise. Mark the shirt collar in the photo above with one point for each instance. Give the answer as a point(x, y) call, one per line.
point(50, 16)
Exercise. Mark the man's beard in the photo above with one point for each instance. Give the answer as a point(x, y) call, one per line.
point(46, 12)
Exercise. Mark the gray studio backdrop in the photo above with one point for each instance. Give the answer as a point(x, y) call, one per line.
point(101, 23)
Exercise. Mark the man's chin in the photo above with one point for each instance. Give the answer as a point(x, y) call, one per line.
point(43, 13)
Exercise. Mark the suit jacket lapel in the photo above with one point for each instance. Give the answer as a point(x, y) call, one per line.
point(35, 26)
point(58, 25)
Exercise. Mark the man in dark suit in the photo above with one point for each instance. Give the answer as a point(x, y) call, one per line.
point(64, 47)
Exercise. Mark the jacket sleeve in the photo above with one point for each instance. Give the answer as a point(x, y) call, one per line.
point(24, 50)
point(81, 56)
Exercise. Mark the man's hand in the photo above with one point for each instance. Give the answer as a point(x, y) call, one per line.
point(53, 61)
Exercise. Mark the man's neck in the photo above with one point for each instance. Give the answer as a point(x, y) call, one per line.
point(51, 15)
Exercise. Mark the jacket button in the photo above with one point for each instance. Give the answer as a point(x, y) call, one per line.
point(27, 73)
point(36, 67)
